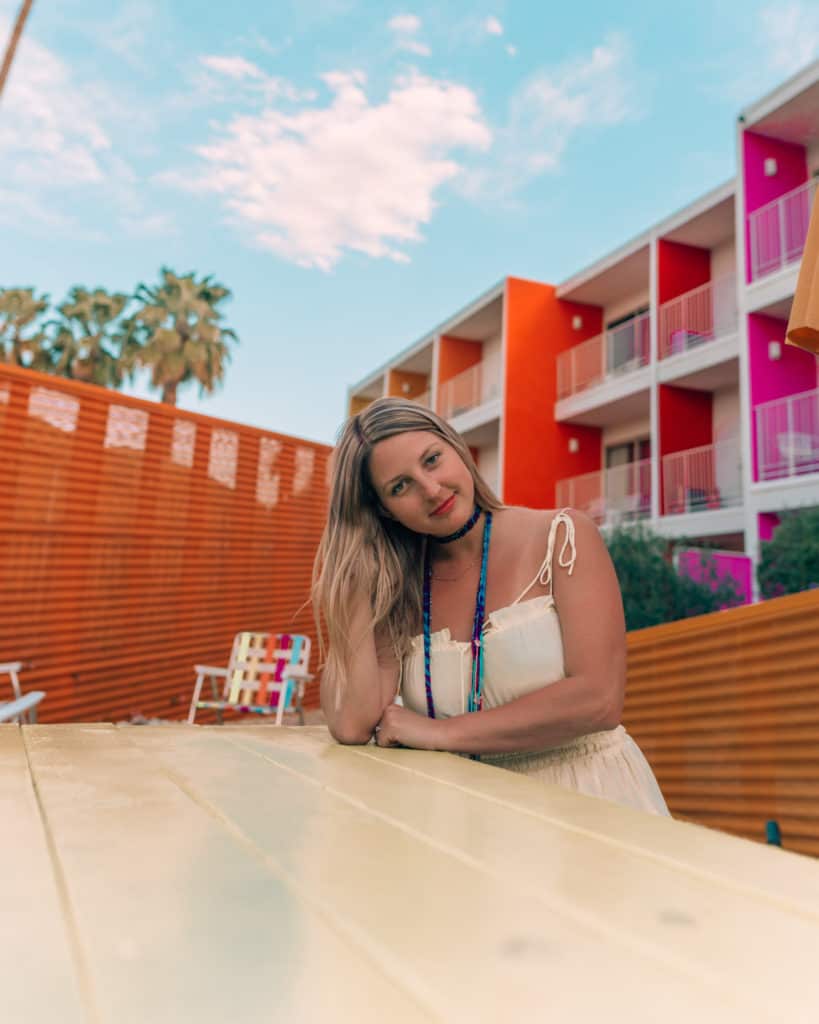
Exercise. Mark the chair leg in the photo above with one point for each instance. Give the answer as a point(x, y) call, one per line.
point(196, 692)
point(15, 683)
point(220, 718)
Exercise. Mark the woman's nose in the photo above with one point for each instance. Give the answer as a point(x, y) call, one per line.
point(432, 487)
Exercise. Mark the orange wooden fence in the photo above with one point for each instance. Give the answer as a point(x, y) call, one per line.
point(136, 539)
point(726, 708)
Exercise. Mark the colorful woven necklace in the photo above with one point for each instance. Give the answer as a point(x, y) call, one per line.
point(476, 690)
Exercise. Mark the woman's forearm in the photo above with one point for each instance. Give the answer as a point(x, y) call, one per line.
point(353, 706)
point(353, 713)
point(552, 715)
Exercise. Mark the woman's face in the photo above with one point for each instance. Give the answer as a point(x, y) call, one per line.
point(422, 482)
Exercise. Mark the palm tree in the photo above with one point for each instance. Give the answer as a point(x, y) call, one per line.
point(90, 336)
point(14, 39)
point(22, 339)
point(177, 333)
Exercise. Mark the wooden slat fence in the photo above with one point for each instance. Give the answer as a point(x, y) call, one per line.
point(726, 708)
point(136, 539)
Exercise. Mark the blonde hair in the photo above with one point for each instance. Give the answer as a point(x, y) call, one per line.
point(362, 551)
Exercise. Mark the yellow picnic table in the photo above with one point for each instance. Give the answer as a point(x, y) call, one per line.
point(254, 873)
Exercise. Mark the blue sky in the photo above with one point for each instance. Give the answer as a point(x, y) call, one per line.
point(356, 172)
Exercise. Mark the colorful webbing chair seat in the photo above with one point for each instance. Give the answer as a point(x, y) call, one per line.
point(266, 675)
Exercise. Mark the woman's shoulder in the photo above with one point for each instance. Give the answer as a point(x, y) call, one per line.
point(538, 521)
point(530, 528)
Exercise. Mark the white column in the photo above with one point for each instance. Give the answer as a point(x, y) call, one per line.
point(433, 377)
point(501, 484)
point(654, 393)
point(751, 527)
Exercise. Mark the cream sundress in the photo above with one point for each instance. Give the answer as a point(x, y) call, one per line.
point(523, 651)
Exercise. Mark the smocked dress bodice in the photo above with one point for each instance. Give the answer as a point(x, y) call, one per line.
point(522, 646)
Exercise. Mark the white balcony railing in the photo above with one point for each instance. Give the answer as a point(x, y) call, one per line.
point(778, 230)
point(468, 390)
point(619, 351)
point(703, 478)
point(787, 436)
point(610, 495)
point(705, 313)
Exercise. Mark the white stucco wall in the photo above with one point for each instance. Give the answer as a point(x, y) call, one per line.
point(625, 306)
point(725, 423)
point(489, 464)
point(490, 383)
point(624, 432)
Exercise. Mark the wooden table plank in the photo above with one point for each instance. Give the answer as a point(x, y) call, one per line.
point(177, 917)
point(487, 904)
point(37, 969)
point(759, 870)
point(748, 866)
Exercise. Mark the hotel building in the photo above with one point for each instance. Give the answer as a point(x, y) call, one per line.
point(654, 384)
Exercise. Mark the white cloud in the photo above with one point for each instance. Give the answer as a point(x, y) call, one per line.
point(56, 147)
point(233, 67)
point(129, 31)
point(156, 225)
point(405, 23)
point(352, 175)
point(790, 33)
point(405, 28)
point(216, 84)
point(493, 27)
point(415, 46)
point(551, 108)
point(511, 50)
point(50, 133)
point(18, 206)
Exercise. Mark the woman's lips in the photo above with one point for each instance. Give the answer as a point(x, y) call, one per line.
point(445, 507)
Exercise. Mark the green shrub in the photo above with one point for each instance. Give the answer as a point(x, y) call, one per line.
point(789, 562)
point(653, 591)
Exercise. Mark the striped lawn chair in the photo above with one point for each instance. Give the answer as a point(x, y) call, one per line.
point(265, 675)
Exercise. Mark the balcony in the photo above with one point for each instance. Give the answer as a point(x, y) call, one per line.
point(425, 399)
point(697, 317)
point(467, 391)
point(778, 231)
point(609, 496)
point(615, 353)
point(787, 436)
point(702, 479)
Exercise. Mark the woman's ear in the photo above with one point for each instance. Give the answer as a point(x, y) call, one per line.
point(383, 513)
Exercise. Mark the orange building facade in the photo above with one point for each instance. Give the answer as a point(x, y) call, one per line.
point(491, 371)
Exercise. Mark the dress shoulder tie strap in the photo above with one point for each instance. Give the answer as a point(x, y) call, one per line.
point(566, 557)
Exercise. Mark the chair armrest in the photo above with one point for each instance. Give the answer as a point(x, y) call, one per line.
point(20, 706)
point(10, 666)
point(210, 670)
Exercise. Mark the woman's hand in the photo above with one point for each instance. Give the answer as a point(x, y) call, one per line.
point(400, 727)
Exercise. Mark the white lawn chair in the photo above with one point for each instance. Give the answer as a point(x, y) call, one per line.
point(23, 708)
point(266, 675)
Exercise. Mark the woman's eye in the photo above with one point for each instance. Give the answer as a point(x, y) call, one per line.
point(397, 488)
point(433, 458)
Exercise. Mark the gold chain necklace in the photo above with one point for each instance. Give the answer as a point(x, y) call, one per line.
point(453, 579)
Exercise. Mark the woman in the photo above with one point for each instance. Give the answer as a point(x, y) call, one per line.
point(432, 589)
